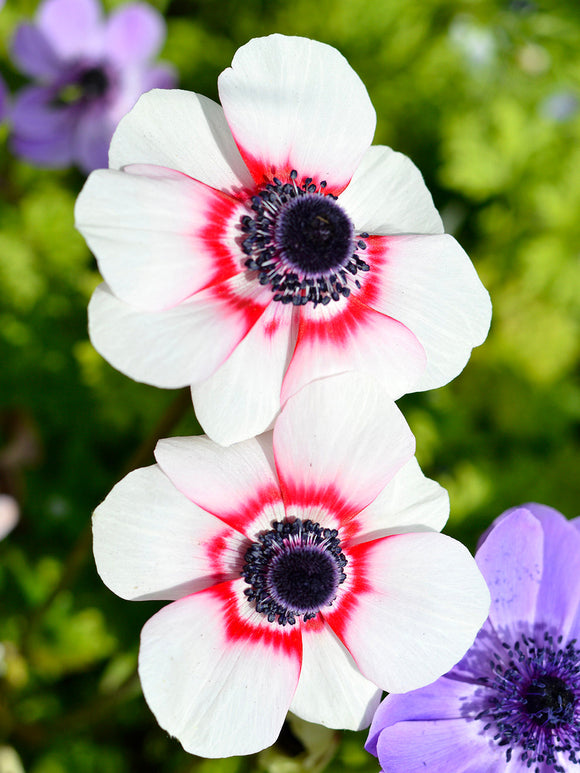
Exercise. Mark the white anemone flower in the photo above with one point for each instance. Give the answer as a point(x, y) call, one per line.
point(252, 248)
point(305, 566)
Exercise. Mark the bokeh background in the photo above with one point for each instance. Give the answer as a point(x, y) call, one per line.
point(484, 96)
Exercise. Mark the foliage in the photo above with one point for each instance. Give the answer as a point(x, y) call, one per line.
point(484, 96)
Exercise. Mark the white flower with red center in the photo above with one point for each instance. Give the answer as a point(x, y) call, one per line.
point(250, 249)
point(305, 566)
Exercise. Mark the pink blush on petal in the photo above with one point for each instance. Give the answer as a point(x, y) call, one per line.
point(225, 255)
point(255, 512)
point(242, 625)
point(357, 583)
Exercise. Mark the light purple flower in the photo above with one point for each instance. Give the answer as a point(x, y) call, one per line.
point(89, 73)
point(513, 703)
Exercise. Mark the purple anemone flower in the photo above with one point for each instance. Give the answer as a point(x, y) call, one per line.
point(89, 72)
point(513, 703)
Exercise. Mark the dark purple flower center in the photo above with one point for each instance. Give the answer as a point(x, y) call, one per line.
point(294, 570)
point(302, 243)
point(86, 84)
point(94, 82)
point(532, 702)
point(549, 702)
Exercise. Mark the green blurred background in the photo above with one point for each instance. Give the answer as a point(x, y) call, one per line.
point(484, 96)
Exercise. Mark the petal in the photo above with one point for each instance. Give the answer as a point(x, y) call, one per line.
point(443, 699)
point(33, 54)
point(347, 335)
point(429, 284)
point(340, 440)
point(410, 502)
point(92, 137)
point(151, 542)
point(237, 483)
point(387, 195)
point(511, 561)
point(134, 33)
point(218, 685)
point(331, 690)
point(422, 605)
point(171, 348)
point(72, 27)
point(559, 593)
point(159, 236)
point(440, 747)
point(40, 133)
point(9, 514)
point(34, 115)
point(158, 76)
point(242, 398)
point(294, 103)
point(182, 131)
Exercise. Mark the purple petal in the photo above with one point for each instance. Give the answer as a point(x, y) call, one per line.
point(511, 560)
point(72, 27)
point(559, 596)
point(160, 76)
point(33, 53)
point(475, 662)
point(92, 139)
point(455, 745)
point(41, 133)
point(132, 83)
point(441, 700)
point(134, 34)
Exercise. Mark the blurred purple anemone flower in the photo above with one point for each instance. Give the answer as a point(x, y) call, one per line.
point(513, 703)
point(89, 73)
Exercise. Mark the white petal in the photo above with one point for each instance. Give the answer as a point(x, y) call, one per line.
point(341, 435)
point(387, 195)
point(349, 336)
point(409, 502)
point(242, 398)
point(294, 103)
point(184, 131)
point(171, 348)
point(237, 483)
point(331, 690)
point(424, 604)
point(9, 514)
point(220, 692)
point(151, 542)
point(158, 236)
point(430, 285)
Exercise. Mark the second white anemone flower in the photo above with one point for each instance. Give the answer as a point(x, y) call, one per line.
point(305, 566)
point(250, 249)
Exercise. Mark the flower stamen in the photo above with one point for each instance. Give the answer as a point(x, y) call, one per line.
point(302, 243)
point(294, 570)
point(532, 701)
